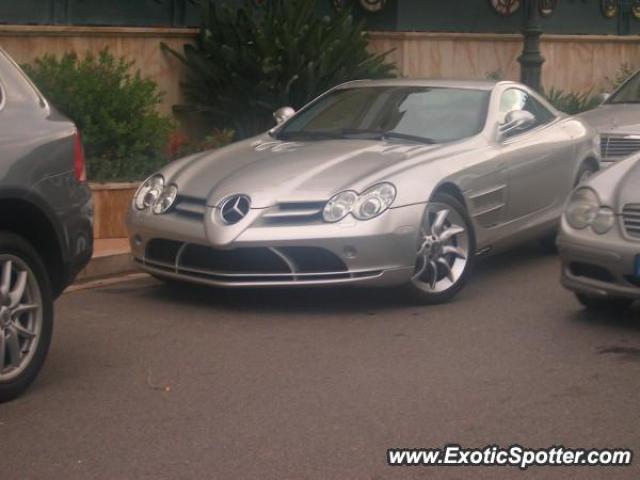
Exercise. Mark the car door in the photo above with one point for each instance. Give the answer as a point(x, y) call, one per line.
point(534, 157)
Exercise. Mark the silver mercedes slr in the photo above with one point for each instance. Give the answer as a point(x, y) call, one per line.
point(388, 182)
point(599, 240)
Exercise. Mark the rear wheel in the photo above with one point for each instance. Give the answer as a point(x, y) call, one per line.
point(445, 251)
point(603, 304)
point(26, 315)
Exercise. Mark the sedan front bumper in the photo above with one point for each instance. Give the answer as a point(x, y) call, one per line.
point(376, 252)
point(599, 265)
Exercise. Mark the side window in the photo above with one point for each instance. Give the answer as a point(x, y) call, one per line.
point(516, 99)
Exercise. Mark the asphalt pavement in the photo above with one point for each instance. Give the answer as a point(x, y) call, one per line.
point(144, 382)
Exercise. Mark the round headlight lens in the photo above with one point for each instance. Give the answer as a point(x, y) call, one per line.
point(604, 221)
point(583, 208)
point(339, 206)
point(165, 200)
point(374, 201)
point(149, 192)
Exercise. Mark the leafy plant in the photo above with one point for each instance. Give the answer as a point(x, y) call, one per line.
point(621, 76)
point(572, 102)
point(180, 145)
point(247, 62)
point(116, 111)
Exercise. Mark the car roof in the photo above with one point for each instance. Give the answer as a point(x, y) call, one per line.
point(437, 83)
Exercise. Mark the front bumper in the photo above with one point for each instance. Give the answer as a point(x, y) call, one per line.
point(377, 252)
point(599, 265)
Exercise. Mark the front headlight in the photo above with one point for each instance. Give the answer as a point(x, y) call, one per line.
point(374, 201)
point(604, 221)
point(371, 203)
point(583, 208)
point(339, 206)
point(149, 192)
point(165, 200)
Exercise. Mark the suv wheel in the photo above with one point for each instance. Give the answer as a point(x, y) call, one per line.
point(26, 315)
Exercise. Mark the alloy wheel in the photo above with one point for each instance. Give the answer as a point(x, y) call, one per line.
point(443, 251)
point(20, 316)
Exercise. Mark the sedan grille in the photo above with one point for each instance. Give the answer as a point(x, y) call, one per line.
point(631, 219)
point(256, 264)
point(614, 148)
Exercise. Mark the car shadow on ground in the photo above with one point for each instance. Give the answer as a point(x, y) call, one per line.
point(342, 299)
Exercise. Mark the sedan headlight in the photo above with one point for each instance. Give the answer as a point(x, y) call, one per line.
point(149, 192)
point(165, 201)
point(365, 206)
point(583, 208)
point(374, 201)
point(604, 221)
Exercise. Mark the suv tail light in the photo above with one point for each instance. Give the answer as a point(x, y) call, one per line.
point(78, 160)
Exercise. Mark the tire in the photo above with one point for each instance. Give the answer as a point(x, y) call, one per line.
point(614, 304)
point(548, 242)
point(25, 318)
point(444, 260)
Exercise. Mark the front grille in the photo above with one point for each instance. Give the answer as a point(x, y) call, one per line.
point(617, 147)
point(293, 213)
point(188, 206)
point(631, 219)
point(258, 264)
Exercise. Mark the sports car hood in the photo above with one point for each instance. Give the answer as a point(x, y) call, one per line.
point(619, 184)
point(271, 171)
point(614, 118)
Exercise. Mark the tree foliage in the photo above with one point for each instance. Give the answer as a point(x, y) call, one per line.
point(249, 61)
point(116, 111)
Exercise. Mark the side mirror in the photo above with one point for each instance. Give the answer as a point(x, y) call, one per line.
point(516, 121)
point(283, 114)
point(603, 97)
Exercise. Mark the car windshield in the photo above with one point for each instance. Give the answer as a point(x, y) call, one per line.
point(629, 93)
point(414, 114)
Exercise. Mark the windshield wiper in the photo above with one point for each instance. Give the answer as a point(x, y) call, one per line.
point(412, 138)
point(354, 133)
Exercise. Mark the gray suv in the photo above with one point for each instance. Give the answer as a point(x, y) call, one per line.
point(45, 223)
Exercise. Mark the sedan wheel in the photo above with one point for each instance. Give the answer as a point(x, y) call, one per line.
point(26, 315)
point(445, 251)
point(20, 316)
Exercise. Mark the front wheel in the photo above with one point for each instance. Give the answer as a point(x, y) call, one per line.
point(26, 315)
point(445, 251)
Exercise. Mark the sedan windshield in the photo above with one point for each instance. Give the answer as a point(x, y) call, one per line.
point(414, 114)
point(629, 93)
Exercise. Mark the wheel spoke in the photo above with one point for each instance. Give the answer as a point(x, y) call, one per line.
point(450, 249)
point(451, 232)
point(438, 224)
point(25, 332)
point(447, 269)
point(434, 276)
point(18, 291)
point(421, 270)
point(13, 347)
point(25, 307)
point(5, 282)
point(3, 344)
